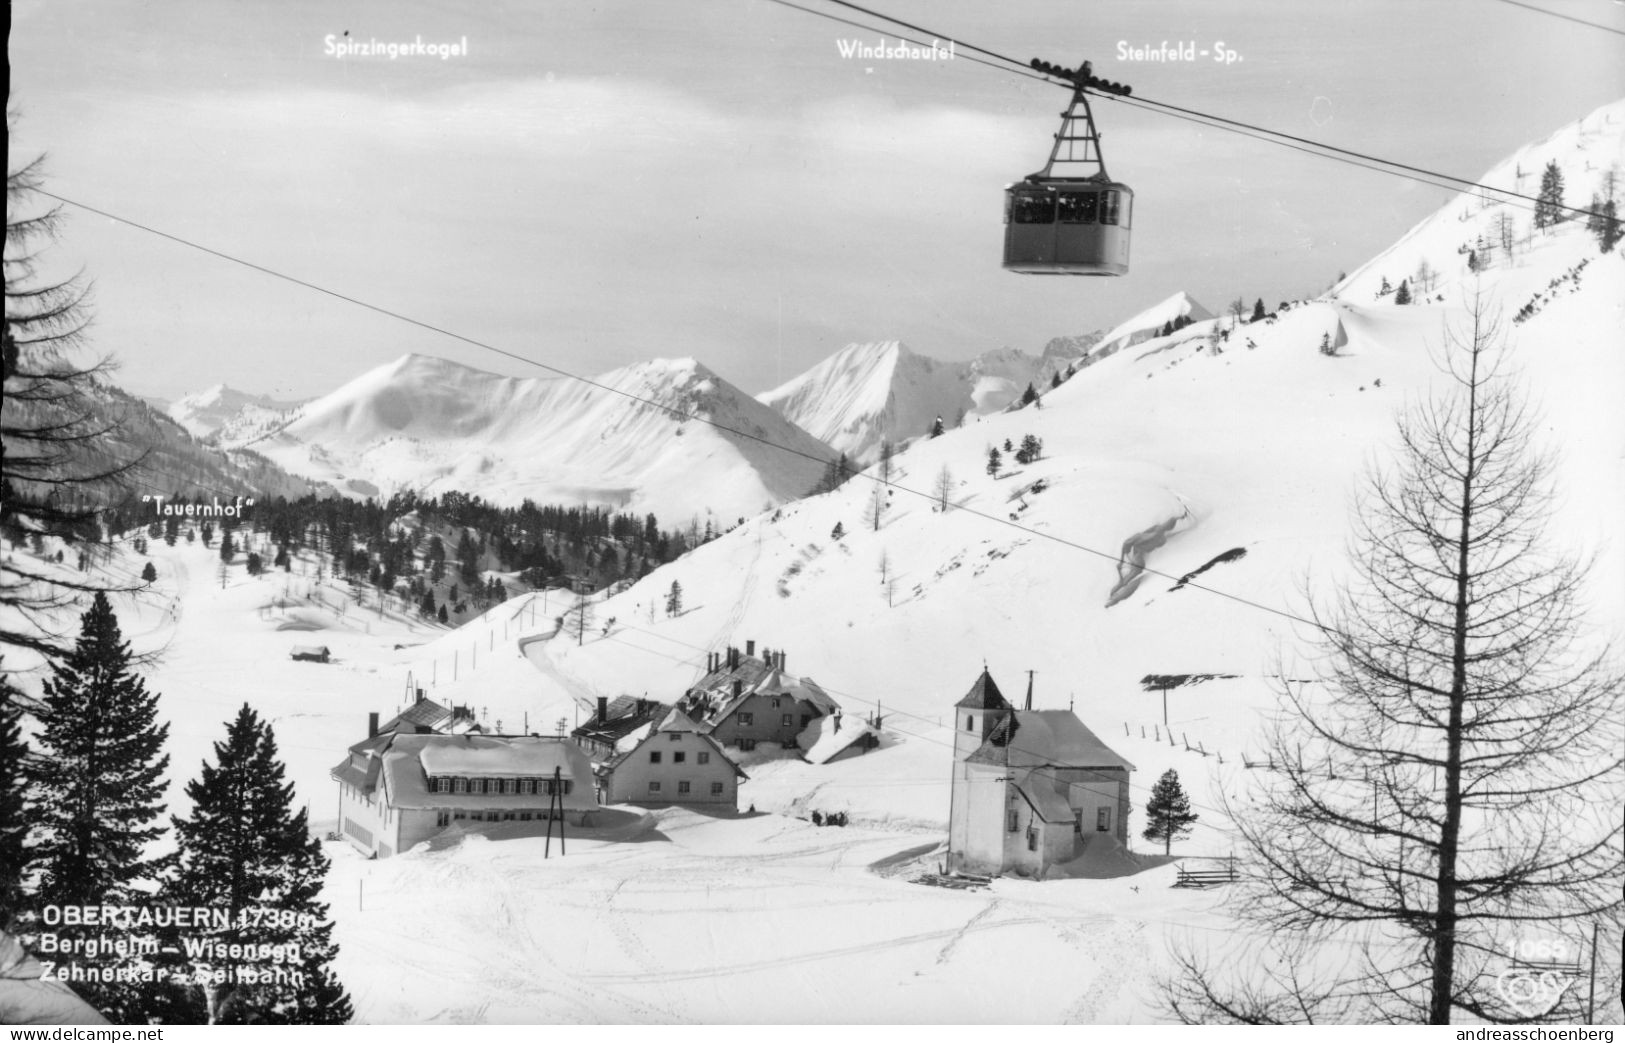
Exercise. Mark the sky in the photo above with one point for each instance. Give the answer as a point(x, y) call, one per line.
point(591, 185)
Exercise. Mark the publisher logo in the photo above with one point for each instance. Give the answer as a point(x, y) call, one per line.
point(1531, 992)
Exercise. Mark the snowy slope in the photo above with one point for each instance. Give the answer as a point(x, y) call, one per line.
point(433, 425)
point(1164, 451)
point(1146, 324)
point(237, 415)
point(868, 393)
point(1587, 152)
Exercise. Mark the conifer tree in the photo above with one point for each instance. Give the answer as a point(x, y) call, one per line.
point(13, 821)
point(97, 788)
point(1549, 202)
point(936, 428)
point(1609, 233)
point(149, 573)
point(835, 475)
point(468, 565)
point(246, 846)
point(994, 461)
point(1403, 294)
point(674, 599)
point(1029, 396)
point(837, 532)
point(1594, 215)
point(1168, 813)
point(426, 607)
point(1055, 381)
point(1258, 310)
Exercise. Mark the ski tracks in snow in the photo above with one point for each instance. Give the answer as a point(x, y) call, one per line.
point(970, 925)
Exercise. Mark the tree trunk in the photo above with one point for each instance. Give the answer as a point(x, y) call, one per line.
point(1444, 938)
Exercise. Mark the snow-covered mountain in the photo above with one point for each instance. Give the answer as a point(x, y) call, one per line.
point(1148, 324)
point(1227, 474)
point(623, 441)
point(234, 416)
point(865, 394)
point(1235, 468)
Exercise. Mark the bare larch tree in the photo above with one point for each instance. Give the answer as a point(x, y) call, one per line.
point(1451, 785)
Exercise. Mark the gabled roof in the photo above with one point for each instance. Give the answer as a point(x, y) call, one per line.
point(624, 719)
point(749, 673)
point(680, 722)
point(1048, 738)
point(677, 721)
point(983, 695)
point(821, 740)
point(423, 715)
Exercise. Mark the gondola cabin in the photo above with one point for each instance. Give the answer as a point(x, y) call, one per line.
point(1077, 221)
point(1056, 227)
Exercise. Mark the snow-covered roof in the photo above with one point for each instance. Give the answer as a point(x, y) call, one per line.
point(424, 713)
point(822, 740)
point(627, 717)
point(27, 999)
point(525, 756)
point(676, 721)
point(1056, 738)
point(1046, 803)
point(403, 766)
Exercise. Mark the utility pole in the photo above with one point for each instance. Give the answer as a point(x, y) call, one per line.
point(555, 802)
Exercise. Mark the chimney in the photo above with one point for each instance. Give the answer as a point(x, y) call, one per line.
point(750, 646)
point(420, 695)
point(372, 725)
point(781, 659)
point(603, 708)
point(733, 658)
point(739, 687)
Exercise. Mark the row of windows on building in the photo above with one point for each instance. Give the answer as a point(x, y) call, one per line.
point(446, 818)
point(787, 720)
point(499, 787)
point(679, 757)
point(684, 787)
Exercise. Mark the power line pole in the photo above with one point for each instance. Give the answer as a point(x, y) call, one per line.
point(555, 802)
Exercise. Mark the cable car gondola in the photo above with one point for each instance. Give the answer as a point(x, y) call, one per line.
point(1074, 224)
